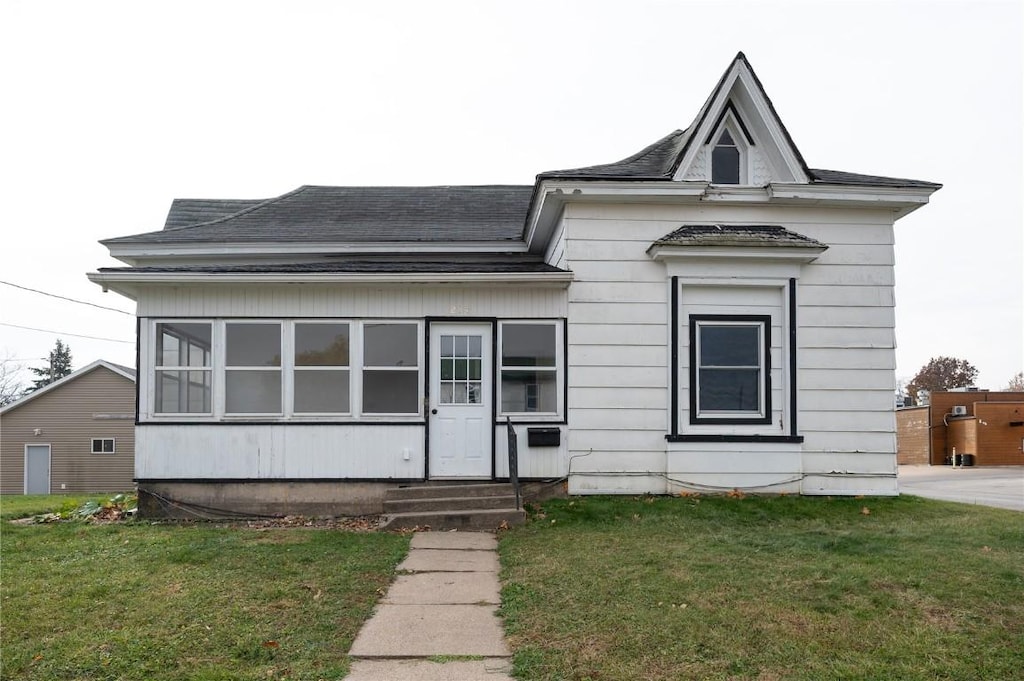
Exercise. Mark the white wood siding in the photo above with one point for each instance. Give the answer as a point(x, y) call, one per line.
point(322, 300)
point(276, 452)
point(534, 462)
point(618, 373)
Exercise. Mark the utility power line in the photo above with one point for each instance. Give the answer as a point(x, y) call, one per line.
point(72, 300)
point(65, 333)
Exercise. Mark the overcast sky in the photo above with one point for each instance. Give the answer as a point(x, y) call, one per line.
point(112, 109)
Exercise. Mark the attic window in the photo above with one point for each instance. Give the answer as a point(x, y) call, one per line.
point(725, 160)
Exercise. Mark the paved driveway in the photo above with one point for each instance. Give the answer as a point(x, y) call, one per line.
point(999, 486)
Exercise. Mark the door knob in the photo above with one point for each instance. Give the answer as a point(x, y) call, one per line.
point(433, 411)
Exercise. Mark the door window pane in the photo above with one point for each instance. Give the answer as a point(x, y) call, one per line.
point(461, 360)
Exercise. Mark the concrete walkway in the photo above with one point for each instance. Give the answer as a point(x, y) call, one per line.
point(438, 621)
point(999, 486)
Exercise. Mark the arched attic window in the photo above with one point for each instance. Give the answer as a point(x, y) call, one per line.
point(731, 147)
point(726, 160)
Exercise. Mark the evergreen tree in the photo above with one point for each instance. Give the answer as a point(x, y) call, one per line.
point(58, 366)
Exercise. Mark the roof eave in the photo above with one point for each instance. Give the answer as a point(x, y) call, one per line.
point(122, 281)
point(133, 253)
point(902, 200)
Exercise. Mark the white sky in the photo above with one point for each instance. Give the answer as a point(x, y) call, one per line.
point(110, 110)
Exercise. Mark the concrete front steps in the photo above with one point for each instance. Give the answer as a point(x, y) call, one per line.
point(467, 506)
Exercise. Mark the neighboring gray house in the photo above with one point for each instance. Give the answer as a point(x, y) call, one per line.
point(76, 434)
point(709, 313)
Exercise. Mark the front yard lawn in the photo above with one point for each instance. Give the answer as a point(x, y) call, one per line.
point(142, 601)
point(765, 588)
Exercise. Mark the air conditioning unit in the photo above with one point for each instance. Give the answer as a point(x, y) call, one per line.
point(959, 410)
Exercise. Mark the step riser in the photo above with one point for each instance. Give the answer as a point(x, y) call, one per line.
point(443, 504)
point(467, 520)
point(449, 491)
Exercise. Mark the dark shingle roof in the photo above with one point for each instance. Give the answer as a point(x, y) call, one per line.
point(842, 177)
point(654, 162)
point(354, 267)
point(364, 214)
point(185, 212)
point(659, 160)
point(737, 235)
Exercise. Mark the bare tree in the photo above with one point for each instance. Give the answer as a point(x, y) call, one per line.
point(1016, 384)
point(11, 386)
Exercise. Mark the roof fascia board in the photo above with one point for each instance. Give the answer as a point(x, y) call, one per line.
point(903, 199)
point(62, 381)
point(142, 251)
point(116, 280)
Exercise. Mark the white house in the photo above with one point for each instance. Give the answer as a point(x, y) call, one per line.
point(709, 313)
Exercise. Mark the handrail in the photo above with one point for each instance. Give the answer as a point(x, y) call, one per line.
point(513, 462)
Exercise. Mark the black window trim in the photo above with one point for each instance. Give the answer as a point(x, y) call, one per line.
point(766, 322)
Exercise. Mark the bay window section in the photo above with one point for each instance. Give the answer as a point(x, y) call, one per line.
point(184, 368)
point(390, 372)
point(322, 368)
point(529, 368)
point(252, 368)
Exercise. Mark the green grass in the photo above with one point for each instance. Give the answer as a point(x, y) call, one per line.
point(143, 601)
point(24, 505)
point(765, 588)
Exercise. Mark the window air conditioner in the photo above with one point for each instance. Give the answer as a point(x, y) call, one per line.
point(959, 410)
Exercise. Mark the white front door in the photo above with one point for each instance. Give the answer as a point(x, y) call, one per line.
point(461, 413)
point(37, 469)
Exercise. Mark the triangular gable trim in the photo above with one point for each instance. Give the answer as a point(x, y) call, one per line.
point(729, 108)
point(67, 379)
point(721, 102)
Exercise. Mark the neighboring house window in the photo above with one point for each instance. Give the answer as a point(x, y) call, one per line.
point(391, 374)
point(322, 373)
point(252, 367)
point(184, 367)
point(529, 368)
point(729, 369)
point(103, 445)
point(725, 160)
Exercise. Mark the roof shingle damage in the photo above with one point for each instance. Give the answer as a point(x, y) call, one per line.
point(737, 235)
